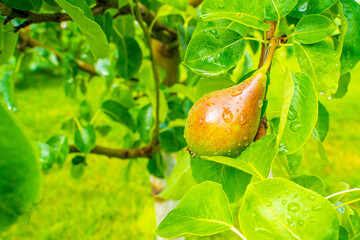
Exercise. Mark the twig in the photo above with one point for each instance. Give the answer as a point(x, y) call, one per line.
point(31, 42)
point(146, 152)
point(139, 18)
point(264, 52)
point(161, 32)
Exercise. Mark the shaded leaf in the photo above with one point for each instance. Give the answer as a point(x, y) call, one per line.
point(118, 113)
point(310, 182)
point(85, 138)
point(61, 148)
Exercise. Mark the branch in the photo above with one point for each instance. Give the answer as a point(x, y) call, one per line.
point(139, 18)
point(31, 42)
point(264, 52)
point(146, 152)
point(160, 31)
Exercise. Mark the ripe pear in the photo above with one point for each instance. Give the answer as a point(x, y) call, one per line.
point(225, 122)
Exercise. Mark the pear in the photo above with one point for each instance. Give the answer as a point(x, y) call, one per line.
point(225, 122)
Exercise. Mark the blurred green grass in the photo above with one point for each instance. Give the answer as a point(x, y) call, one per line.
point(105, 204)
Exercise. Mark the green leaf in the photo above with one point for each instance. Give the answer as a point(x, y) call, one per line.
point(172, 140)
point(322, 125)
point(180, 180)
point(343, 85)
point(124, 26)
point(256, 159)
point(92, 31)
point(47, 156)
point(61, 147)
point(130, 57)
point(145, 122)
point(198, 215)
point(85, 138)
point(246, 20)
point(214, 51)
point(343, 233)
point(221, 23)
point(338, 187)
point(351, 49)
point(24, 5)
point(204, 170)
point(310, 182)
point(208, 84)
point(294, 160)
point(278, 208)
point(351, 221)
point(312, 29)
point(302, 115)
point(118, 113)
point(276, 9)
point(321, 63)
point(9, 42)
point(19, 172)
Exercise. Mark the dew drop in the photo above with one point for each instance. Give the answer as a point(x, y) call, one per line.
point(227, 115)
point(245, 137)
point(295, 192)
point(292, 113)
point(283, 202)
point(312, 197)
point(295, 125)
point(337, 66)
point(293, 207)
point(268, 204)
point(236, 92)
point(214, 32)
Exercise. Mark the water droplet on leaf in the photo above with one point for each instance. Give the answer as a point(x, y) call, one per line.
point(295, 126)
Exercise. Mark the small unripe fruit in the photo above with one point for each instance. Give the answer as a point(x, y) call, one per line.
point(225, 122)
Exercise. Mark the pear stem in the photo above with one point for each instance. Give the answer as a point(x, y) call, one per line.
point(272, 47)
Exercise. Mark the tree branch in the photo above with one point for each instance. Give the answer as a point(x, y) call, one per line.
point(31, 42)
point(146, 152)
point(264, 52)
point(160, 31)
point(139, 18)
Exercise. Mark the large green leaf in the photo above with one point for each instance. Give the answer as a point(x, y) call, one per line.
point(25, 5)
point(280, 209)
point(214, 51)
point(92, 31)
point(118, 113)
point(180, 180)
point(204, 170)
point(351, 49)
point(294, 160)
point(203, 211)
point(9, 39)
point(288, 95)
point(302, 114)
point(7, 89)
point(47, 156)
point(255, 160)
point(276, 9)
point(312, 29)
point(19, 172)
point(172, 139)
point(321, 63)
